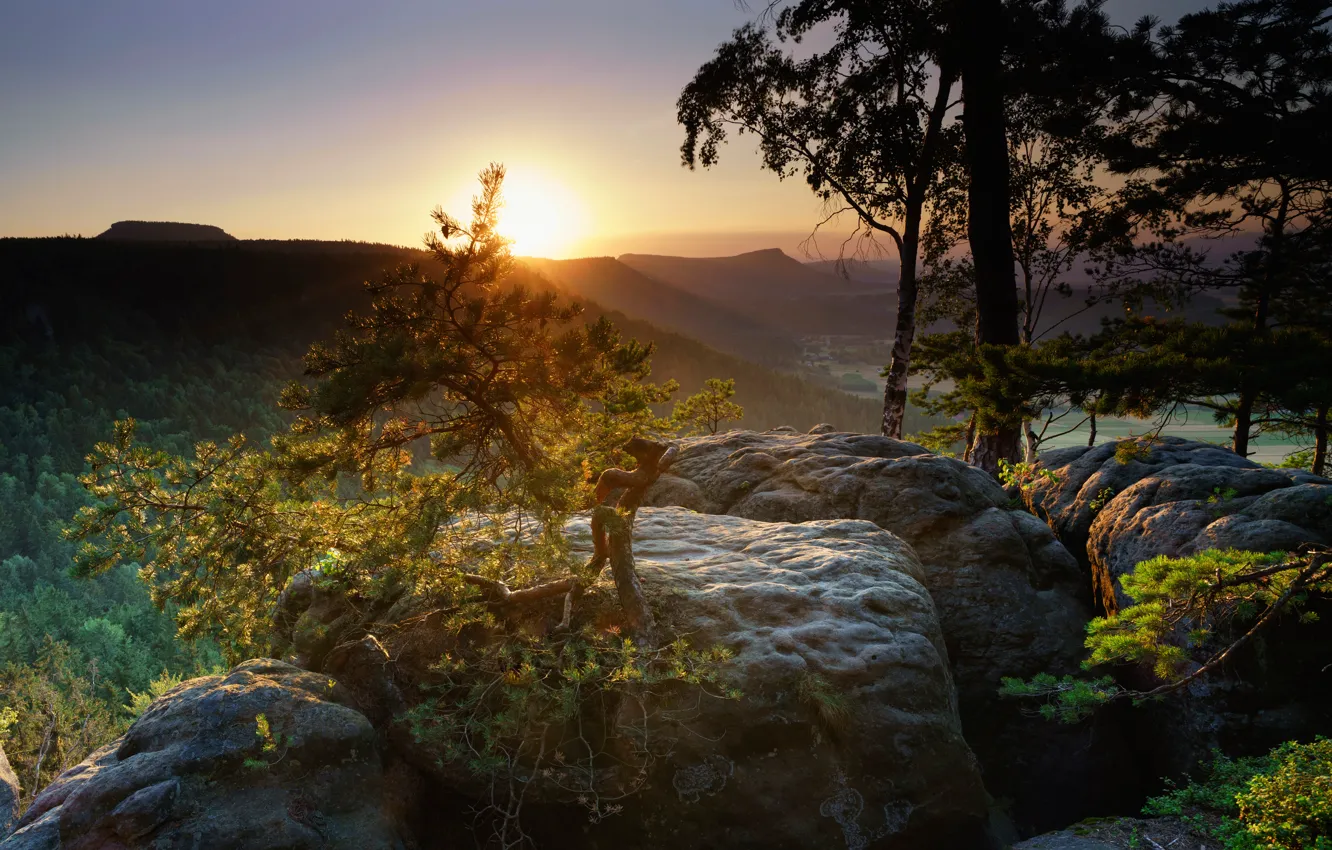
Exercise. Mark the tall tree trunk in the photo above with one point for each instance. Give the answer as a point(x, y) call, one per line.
point(1091, 438)
point(895, 384)
point(1239, 440)
point(981, 27)
point(1320, 442)
point(1262, 306)
point(904, 335)
point(1033, 442)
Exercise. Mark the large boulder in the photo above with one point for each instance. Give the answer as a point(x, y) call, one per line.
point(267, 756)
point(1011, 600)
point(846, 733)
point(1086, 478)
point(1175, 497)
point(837, 602)
point(9, 796)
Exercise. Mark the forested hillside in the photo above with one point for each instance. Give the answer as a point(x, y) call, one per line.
point(259, 294)
point(194, 342)
point(616, 286)
point(72, 649)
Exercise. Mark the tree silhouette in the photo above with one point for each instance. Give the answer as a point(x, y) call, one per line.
point(863, 122)
point(1223, 132)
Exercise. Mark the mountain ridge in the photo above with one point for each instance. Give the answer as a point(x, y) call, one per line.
point(616, 286)
point(165, 231)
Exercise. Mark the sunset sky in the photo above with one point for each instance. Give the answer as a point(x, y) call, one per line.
point(342, 119)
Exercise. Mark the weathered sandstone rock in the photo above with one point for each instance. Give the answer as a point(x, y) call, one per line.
point(841, 601)
point(836, 607)
point(1178, 499)
point(1010, 597)
point(1064, 840)
point(1124, 833)
point(195, 771)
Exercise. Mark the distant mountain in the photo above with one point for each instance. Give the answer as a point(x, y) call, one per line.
point(881, 272)
point(616, 286)
point(776, 290)
point(757, 274)
point(269, 299)
point(805, 299)
point(165, 231)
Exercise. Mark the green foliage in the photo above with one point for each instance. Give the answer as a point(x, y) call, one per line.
point(8, 717)
point(704, 412)
point(1101, 499)
point(139, 701)
point(1219, 133)
point(943, 439)
point(442, 442)
point(1201, 593)
point(566, 709)
point(1024, 475)
point(830, 707)
point(1067, 699)
point(1187, 615)
point(1133, 449)
point(1302, 459)
point(272, 747)
point(1291, 807)
point(57, 714)
point(1279, 801)
point(455, 396)
point(56, 400)
point(1219, 498)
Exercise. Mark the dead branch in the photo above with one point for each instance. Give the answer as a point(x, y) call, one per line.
point(619, 532)
point(613, 523)
point(498, 593)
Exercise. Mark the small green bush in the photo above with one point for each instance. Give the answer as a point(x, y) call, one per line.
point(1134, 448)
point(1280, 801)
point(1291, 807)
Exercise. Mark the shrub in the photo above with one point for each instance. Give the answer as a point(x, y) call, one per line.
point(1291, 807)
point(1280, 801)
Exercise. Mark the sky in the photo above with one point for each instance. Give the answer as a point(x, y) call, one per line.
point(342, 119)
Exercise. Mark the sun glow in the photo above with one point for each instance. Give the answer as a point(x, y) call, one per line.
point(541, 216)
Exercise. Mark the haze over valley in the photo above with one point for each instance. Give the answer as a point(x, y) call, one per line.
point(795, 425)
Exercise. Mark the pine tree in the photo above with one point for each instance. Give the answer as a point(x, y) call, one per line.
point(1223, 131)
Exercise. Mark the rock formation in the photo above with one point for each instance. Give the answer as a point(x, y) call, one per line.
point(847, 734)
point(1177, 497)
point(835, 602)
point(1174, 497)
point(268, 756)
point(1011, 599)
point(9, 796)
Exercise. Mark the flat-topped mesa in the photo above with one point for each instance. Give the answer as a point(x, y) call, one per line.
point(165, 231)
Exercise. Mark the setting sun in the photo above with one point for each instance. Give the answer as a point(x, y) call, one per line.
point(541, 216)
